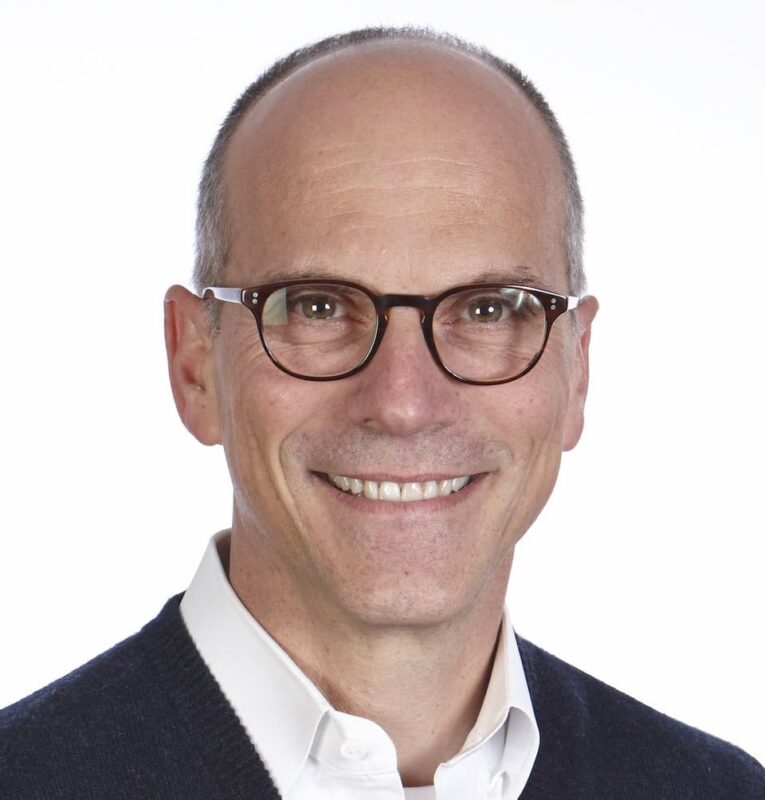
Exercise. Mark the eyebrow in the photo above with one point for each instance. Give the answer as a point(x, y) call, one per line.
point(518, 275)
point(316, 273)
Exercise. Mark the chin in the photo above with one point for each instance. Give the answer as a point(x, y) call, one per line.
point(412, 601)
point(409, 571)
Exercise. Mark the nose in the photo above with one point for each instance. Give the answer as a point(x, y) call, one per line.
point(402, 391)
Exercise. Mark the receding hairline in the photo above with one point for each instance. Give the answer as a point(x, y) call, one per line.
point(384, 48)
point(213, 240)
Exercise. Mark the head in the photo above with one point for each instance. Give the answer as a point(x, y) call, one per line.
point(409, 164)
point(212, 233)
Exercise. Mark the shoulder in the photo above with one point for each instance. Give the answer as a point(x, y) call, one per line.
point(91, 685)
point(88, 731)
point(609, 739)
point(144, 719)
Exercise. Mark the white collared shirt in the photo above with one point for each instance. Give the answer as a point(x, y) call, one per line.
point(314, 752)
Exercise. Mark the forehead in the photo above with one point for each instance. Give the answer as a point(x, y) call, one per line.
point(392, 163)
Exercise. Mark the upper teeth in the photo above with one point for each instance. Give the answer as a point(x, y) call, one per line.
point(390, 490)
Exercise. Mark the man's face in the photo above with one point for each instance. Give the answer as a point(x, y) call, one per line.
point(410, 170)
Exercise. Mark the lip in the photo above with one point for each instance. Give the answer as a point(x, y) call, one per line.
point(419, 477)
point(361, 503)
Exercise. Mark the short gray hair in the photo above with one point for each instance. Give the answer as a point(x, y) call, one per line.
point(212, 242)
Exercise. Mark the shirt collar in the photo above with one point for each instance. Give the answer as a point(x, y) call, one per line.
point(281, 709)
point(277, 705)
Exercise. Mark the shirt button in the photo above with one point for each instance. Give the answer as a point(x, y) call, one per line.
point(353, 750)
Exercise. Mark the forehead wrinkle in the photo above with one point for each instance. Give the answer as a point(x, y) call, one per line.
point(470, 195)
point(380, 173)
point(393, 203)
point(359, 192)
point(388, 163)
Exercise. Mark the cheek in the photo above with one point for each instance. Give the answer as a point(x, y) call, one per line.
point(257, 410)
point(530, 418)
point(252, 388)
point(531, 411)
point(264, 412)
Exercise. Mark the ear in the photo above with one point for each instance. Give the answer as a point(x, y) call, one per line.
point(580, 372)
point(190, 362)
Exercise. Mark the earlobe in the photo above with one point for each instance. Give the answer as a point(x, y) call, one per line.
point(580, 373)
point(190, 363)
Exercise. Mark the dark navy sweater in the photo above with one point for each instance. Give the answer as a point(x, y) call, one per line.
point(147, 720)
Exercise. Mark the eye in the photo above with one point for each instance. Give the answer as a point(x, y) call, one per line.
point(318, 306)
point(485, 309)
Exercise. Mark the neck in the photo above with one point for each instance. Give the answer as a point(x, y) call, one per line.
point(424, 685)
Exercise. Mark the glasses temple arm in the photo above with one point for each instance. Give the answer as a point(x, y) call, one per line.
point(221, 293)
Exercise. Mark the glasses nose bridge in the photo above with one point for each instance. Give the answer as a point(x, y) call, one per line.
point(424, 305)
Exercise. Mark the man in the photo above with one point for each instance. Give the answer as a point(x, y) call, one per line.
point(390, 341)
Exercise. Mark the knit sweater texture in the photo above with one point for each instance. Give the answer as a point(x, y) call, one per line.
point(146, 719)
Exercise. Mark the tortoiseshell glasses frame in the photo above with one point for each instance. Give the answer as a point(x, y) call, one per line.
point(255, 298)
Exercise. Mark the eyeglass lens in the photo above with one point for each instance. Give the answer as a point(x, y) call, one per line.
point(321, 330)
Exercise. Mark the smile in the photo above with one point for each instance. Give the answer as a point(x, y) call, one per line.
point(399, 492)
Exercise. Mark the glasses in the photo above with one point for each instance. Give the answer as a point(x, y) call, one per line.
point(483, 334)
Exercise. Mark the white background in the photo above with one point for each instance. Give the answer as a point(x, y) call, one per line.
point(646, 568)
